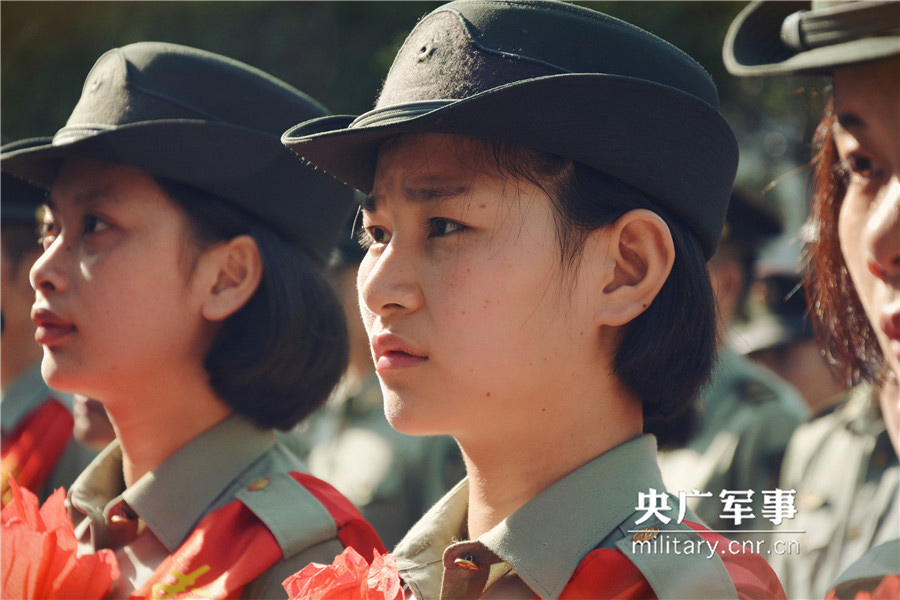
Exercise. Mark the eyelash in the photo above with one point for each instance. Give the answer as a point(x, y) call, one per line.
point(46, 231)
point(367, 237)
point(856, 168)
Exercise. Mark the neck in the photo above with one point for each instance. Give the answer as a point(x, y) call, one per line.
point(154, 423)
point(509, 470)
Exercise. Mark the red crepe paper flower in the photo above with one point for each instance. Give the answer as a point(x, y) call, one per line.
point(39, 558)
point(349, 577)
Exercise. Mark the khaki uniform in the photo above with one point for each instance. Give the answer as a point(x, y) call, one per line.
point(847, 478)
point(747, 416)
point(536, 550)
point(150, 520)
point(27, 393)
point(870, 572)
point(392, 478)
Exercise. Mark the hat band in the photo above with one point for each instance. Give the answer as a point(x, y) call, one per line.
point(395, 114)
point(808, 29)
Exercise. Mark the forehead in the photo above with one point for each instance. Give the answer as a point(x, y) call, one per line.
point(865, 95)
point(428, 167)
point(83, 181)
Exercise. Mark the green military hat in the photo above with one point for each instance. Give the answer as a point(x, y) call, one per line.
point(750, 221)
point(812, 37)
point(555, 78)
point(780, 314)
point(201, 119)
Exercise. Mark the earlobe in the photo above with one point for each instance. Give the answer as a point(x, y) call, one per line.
point(640, 257)
point(236, 270)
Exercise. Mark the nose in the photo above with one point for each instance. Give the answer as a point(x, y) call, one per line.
point(388, 282)
point(882, 234)
point(46, 275)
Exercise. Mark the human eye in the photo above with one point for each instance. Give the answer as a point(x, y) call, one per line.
point(858, 169)
point(94, 224)
point(371, 235)
point(439, 227)
point(47, 230)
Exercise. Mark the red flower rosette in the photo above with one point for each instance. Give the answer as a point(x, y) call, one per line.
point(38, 558)
point(348, 577)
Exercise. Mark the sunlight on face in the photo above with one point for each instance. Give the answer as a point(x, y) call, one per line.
point(473, 325)
point(113, 305)
point(867, 136)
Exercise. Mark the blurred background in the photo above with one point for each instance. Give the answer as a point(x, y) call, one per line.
point(339, 52)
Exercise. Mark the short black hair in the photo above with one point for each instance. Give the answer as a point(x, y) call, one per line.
point(667, 353)
point(277, 358)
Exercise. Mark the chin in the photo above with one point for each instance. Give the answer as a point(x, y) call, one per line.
point(412, 417)
point(60, 378)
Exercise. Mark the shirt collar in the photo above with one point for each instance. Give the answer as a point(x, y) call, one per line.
point(546, 539)
point(173, 498)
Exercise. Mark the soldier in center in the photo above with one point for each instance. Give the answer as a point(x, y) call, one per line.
point(545, 185)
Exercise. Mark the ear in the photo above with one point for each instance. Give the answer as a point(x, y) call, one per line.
point(639, 257)
point(233, 270)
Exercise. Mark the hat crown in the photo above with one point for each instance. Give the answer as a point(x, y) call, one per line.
point(155, 81)
point(471, 46)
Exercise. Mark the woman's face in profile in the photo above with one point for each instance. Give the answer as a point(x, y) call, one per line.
point(867, 136)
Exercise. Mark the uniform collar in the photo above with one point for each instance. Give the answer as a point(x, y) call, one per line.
point(26, 393)
point(863, 412)
point(172, 498)
point(546, 539)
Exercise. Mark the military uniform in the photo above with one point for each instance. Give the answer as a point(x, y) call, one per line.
point(871, 574)
point(147, 522)
point(590, 512)
point(391, 477)
point(847, 478)
point(746, 418)
point(26, 395)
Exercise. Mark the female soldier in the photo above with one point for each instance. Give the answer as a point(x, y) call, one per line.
point(544, 185)
point(845, 460)
point(180, 286)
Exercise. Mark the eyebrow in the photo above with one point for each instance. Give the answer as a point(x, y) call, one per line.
point(88, 198)
point(851, 120)
point(422, 195)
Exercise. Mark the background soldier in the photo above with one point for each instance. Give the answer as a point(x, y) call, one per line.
point(735, 437)
point(37, 445)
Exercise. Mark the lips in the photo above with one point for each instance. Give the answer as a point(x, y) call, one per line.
point(393, 353)
point(51, 328)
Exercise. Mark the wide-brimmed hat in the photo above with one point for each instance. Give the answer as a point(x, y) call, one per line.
point(556, 78)
point(779, 315)
point(19, 199)
point(812, 37)
point(750, 221)
point(203, 120)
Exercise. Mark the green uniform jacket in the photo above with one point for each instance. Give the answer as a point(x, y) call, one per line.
point(535, 551)
point(747, 416)
point(392, 478)
point(847, 478)
point(152, 518)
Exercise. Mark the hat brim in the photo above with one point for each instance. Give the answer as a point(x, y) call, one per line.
point(753, 45)
point(657, 139)
point(251, 169)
